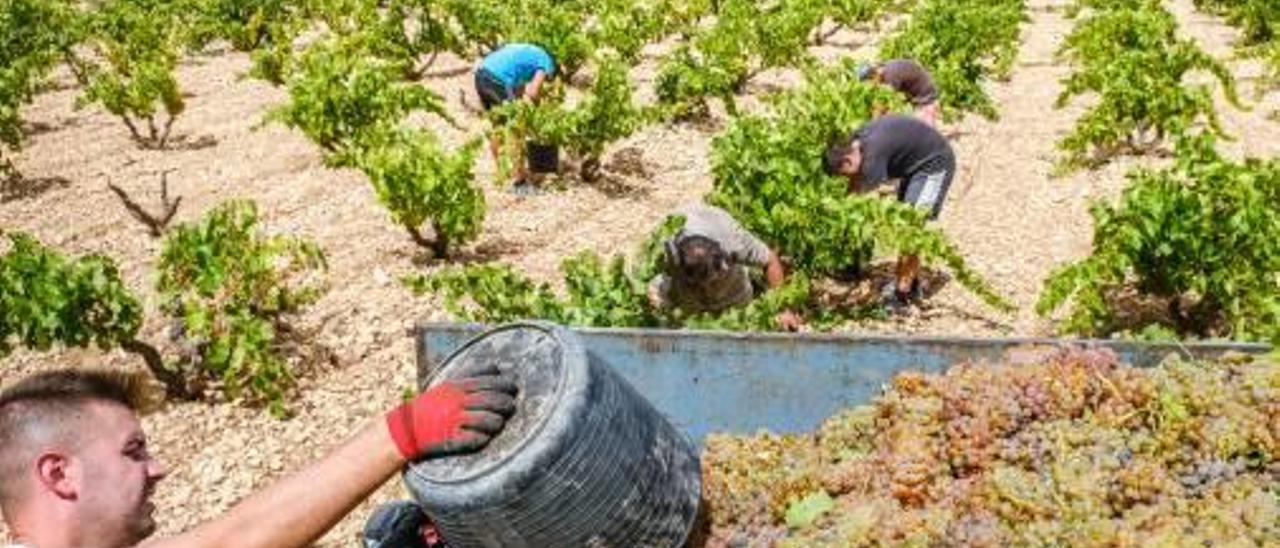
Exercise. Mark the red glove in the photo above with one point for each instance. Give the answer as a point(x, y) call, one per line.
point(452, 417)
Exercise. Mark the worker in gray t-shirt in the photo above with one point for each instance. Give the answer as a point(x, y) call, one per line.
point(912, 80)
point(709, 265)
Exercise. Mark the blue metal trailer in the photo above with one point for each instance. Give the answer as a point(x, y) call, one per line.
point(744, 382)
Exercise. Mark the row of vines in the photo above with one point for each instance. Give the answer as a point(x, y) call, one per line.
point(1193, 237)
point(768, 174)
point(1259, 23)
point(356, 73)
point(1188, 250)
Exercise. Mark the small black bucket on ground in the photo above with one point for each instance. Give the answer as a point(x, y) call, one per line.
point(542, 158)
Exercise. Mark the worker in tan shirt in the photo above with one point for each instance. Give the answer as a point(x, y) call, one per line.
point(709, 266)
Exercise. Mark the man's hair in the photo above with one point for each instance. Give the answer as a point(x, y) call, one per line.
point(41, 409)
point(837, 151)
point(700, 257)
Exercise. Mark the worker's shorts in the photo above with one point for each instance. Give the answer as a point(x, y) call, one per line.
point(491, 90)
point(927, 187)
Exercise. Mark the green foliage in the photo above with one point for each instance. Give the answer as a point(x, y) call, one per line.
point(597, 293)
point(490, 293)
point(964, 44)
point(1259, 22)
point(769, 175)
point(133, 46)
point(747, 37)
point(233, 292)
point(339, 95)
point(245, 24)
point(1134, 62)
point(353, 103)
point(604, 114)
point(851, 13)
point(47, 298)
point(264, 28)
point(1200, 236)
point(417, 181)
point(32, 36)
point(689, 77)
point(761, 314)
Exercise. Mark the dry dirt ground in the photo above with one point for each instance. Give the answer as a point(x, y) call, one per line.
point(1012, 220)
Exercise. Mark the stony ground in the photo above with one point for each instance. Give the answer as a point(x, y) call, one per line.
point(1012, 220)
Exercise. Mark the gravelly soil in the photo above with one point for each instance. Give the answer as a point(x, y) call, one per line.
point(1012, 220)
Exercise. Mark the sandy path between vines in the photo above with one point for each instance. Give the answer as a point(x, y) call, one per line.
point(1012, 221)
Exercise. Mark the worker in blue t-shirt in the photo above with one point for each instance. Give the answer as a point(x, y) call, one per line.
point(513, 71)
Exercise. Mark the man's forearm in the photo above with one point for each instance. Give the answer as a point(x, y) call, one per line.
point(298, 510)
point(774, 273)
point(534, 87)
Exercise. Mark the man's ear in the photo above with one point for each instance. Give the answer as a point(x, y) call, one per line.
point(849, 164)
point(54, 474)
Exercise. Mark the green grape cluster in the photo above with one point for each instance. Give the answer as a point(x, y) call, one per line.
point(1068, 448)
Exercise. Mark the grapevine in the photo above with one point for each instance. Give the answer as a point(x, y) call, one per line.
point(417, 181)
point(1259, 22)
point(339, 94)
point(233, 293)
point(604, 114)
point(768, 174)
point(1198, 236)
point(30, 46)
point(747, 38)
point(47, 298)
point(135, 47)
point(1132, 59)
point(963, 43)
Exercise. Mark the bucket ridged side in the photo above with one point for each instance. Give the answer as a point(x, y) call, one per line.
point(606, 469)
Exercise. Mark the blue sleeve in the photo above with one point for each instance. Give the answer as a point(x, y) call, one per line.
point(544, 62)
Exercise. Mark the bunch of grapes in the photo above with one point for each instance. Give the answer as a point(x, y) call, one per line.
point(1067, 448)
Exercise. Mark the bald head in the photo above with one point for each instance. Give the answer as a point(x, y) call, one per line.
point(51, 411)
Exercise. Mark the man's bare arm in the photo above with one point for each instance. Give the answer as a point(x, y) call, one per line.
point(299, 509)
point(774, 273)
point(534, 87)
point(454, 416)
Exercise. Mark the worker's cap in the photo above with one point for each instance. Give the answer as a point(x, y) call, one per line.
point(865, 71)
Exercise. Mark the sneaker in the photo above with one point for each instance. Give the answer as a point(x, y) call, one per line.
point(525, 188)
point(896, 302)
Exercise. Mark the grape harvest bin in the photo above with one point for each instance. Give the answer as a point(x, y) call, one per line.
point(743, 382)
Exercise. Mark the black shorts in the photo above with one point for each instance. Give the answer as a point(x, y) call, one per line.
point(491, 90)
point(926, 187)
